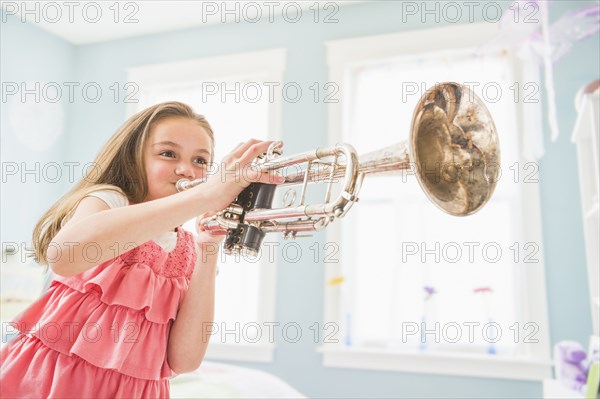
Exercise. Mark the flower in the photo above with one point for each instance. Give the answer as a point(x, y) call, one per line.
point(429, 292)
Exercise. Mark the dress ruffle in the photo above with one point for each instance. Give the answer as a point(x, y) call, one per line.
point(135, 286)
point(71, 376)
point(108, 336)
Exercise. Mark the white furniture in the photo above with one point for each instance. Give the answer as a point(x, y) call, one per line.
point(586, 138)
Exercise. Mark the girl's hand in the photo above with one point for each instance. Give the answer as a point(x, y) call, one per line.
point(205, 237)
point(207, 243)
point(236, 172)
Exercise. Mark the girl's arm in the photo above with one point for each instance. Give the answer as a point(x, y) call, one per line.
point(191, 330)
point(95, 233)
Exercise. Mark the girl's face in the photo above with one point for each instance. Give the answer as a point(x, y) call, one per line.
point(177, 148)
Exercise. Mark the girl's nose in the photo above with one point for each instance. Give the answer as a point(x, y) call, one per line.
point(185, 170)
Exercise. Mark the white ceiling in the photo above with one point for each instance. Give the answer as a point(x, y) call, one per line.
point(75, 23)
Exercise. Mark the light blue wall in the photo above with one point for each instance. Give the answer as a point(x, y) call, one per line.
point(300, 286)
point(29, 54)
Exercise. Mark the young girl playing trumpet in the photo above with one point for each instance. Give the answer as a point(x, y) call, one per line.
point(132, 290)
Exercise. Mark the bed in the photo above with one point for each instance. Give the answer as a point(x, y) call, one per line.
point(218, 380)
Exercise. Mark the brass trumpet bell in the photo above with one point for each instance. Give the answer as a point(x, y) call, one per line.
point(454, 146)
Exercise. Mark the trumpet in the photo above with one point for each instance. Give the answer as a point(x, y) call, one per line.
point(453, 151)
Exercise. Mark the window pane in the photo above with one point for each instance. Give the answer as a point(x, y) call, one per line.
point(401, 245)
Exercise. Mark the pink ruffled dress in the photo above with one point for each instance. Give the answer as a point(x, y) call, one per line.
point(102, 333)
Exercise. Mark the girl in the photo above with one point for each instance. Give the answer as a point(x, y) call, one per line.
point(134, 292)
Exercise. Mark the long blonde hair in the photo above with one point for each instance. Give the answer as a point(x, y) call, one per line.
point(119, 166)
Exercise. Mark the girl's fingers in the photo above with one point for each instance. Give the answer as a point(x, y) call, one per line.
point(241, 143)
point(241, 149)
point(231, 155)
point(201, 218)
point(241, 160)
point(237, 154)
point(271, 178)
point(253, 151)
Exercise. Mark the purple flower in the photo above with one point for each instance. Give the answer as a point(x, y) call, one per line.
point(429, 292)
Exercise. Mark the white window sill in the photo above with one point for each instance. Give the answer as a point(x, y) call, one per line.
point(472, 365)
point(241, 352)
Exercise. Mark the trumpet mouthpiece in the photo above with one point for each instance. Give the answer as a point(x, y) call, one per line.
point(185, 184)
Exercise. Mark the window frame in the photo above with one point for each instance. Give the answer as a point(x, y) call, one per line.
point(270, 64)
point(342, 55)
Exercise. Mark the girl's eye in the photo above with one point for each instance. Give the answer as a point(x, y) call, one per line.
point(169, 154)
point(200, 160)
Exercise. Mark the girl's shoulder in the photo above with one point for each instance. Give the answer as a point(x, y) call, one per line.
point(110, 194)
point(113, 196)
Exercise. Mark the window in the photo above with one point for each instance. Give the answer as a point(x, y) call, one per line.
point(232, 92)
point(425, 291)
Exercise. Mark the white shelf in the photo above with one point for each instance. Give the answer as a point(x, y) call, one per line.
point(584, 112)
